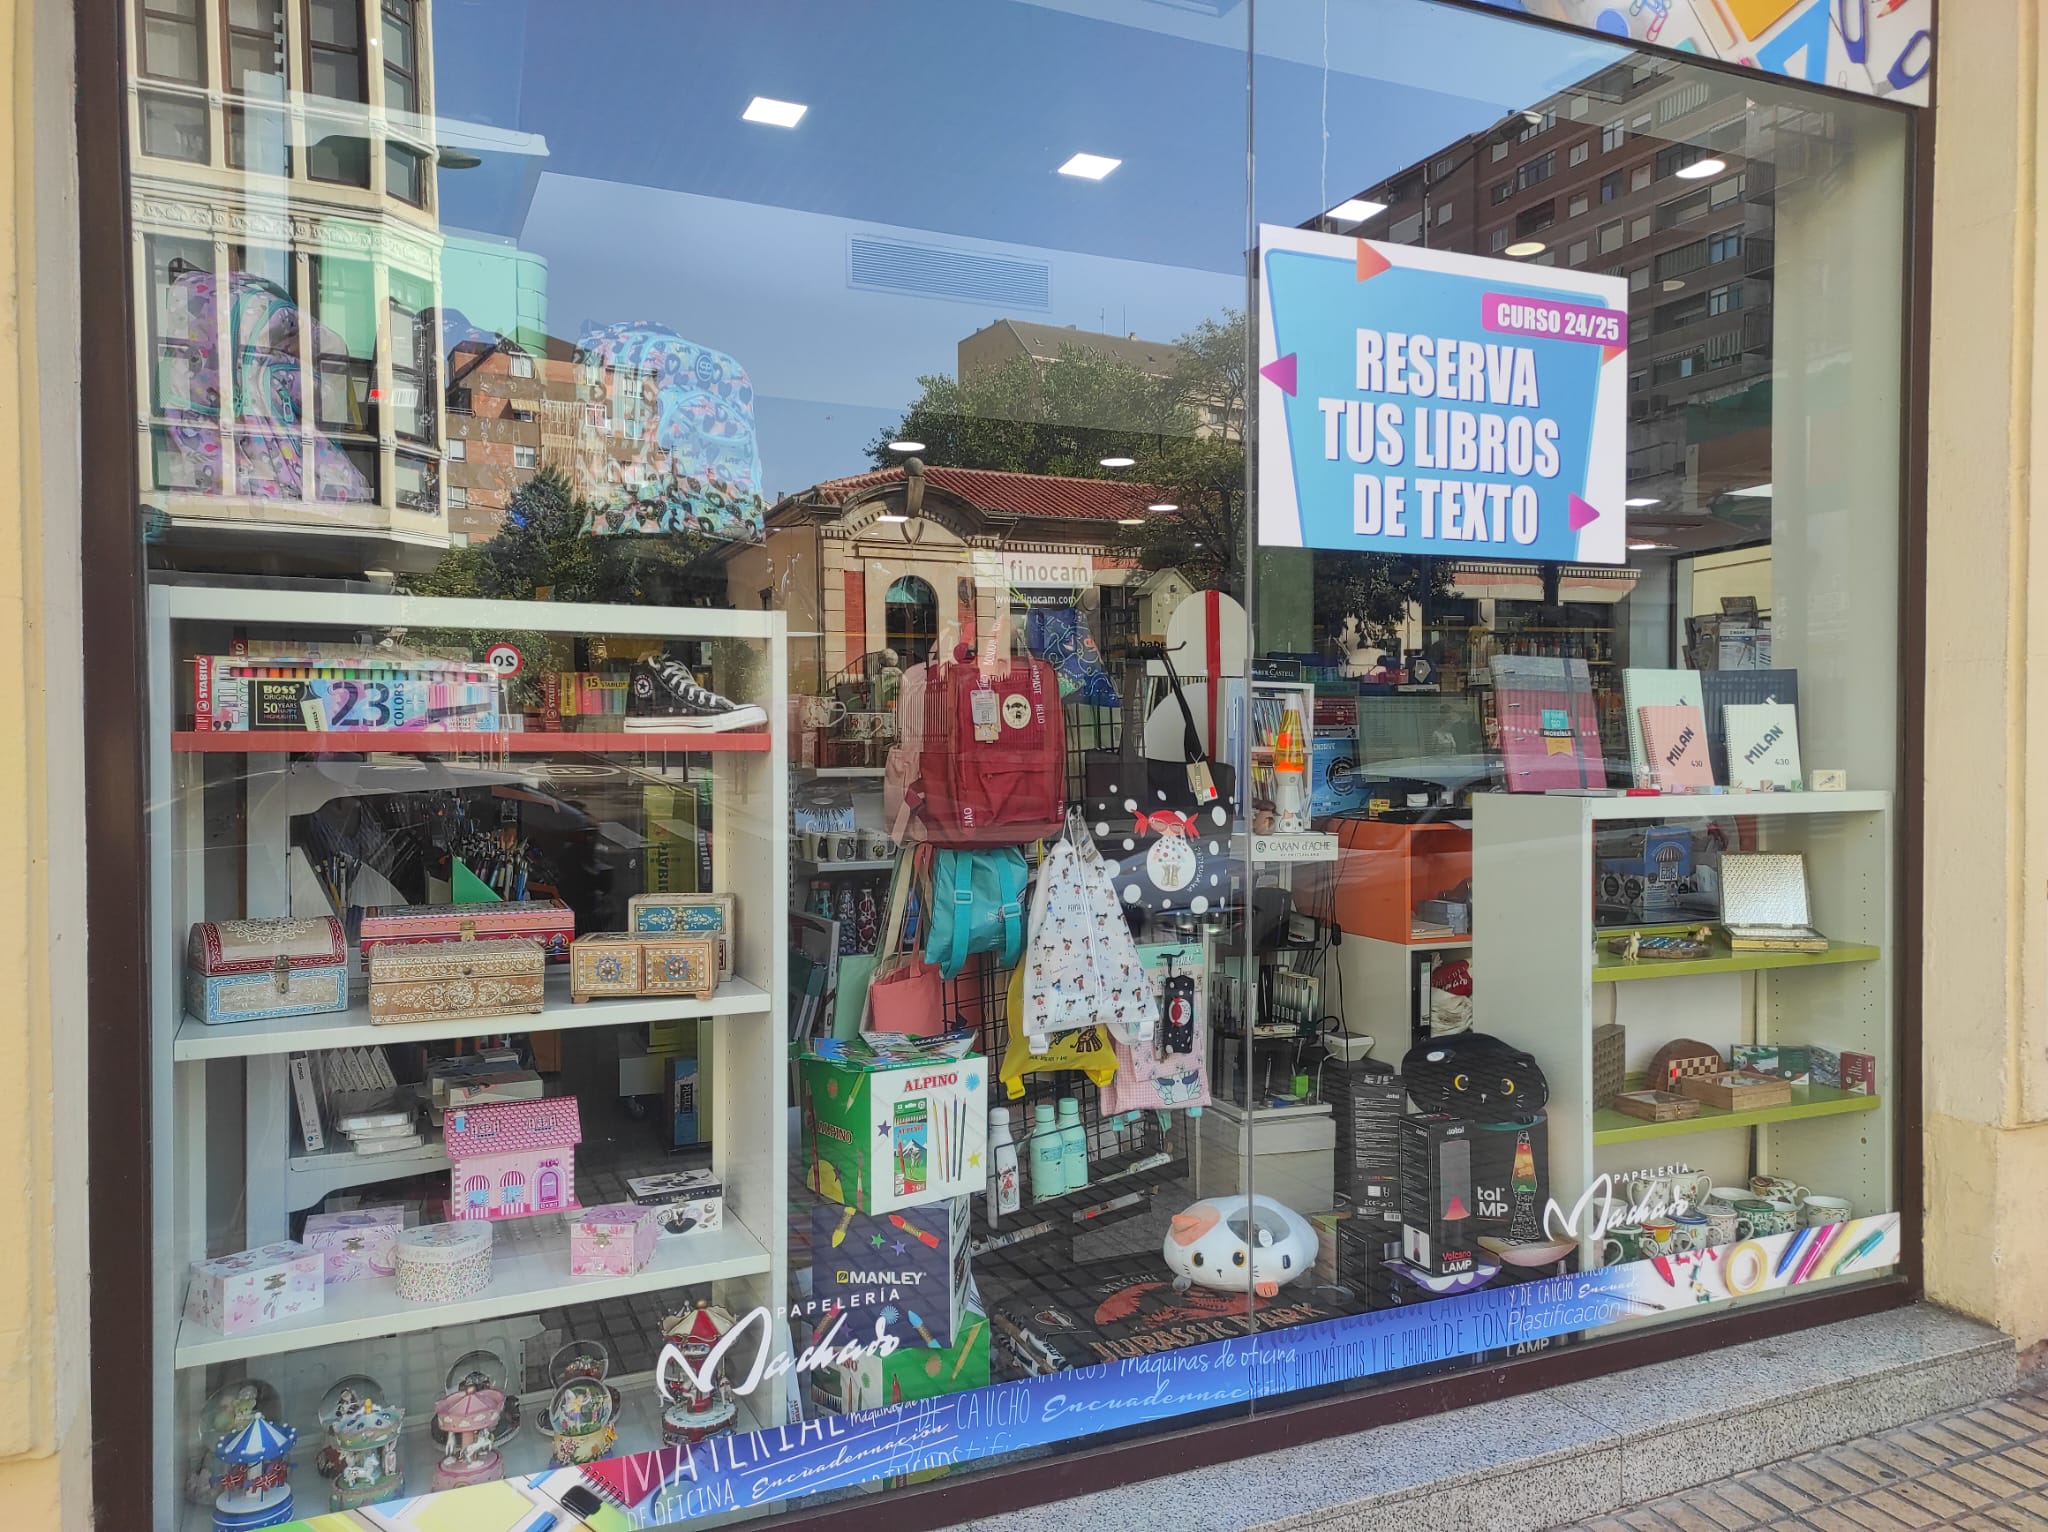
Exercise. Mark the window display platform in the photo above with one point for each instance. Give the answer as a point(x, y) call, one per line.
point(1612, 1127)
point(353, 1027)
point(529, 1270)
point(426, 742)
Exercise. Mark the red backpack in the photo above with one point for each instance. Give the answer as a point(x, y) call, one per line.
point(993, 766)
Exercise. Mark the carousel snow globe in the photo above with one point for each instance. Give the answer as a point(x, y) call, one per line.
point(468, 1421)
point(254, 1483)
point(364, 1440)
point(580, 1419)
point(227, 1409)
point(341, 1396)
point(481, 1369)
point(689, 1413)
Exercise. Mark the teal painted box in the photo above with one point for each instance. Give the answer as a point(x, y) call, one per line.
point(686, 915)
point(257, 970)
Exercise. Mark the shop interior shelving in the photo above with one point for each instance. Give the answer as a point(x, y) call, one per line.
point(228, 1168)
point(1543, 980)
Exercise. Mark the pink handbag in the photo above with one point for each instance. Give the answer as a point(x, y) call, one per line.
point(907, 1000)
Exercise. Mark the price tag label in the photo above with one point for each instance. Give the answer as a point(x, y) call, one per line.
point(505, 659)
point(982, 708)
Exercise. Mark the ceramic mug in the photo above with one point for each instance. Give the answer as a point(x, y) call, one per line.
point(845, 846)
point(1697, 1225)
point(1725, 1226)
point(1664, 1236)
point(819, 712)
point(1777, 1189)
point(1820, 1211)
point(1690, 1186)
point(1768, 1216)
point(1730, 1197)
point(814, 844)
point(1624, 1243)
point(875, 846)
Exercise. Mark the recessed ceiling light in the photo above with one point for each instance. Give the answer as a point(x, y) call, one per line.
point(1118, 462)
point(1699, 170)
point(888, 516)
point(1639, 547)
point(776, 114)
point(1357, 210)
point(1130, 521)
point(1089, 167)
point(1162, 505)
point(1673, 284)
point(1754, 492)
point(1640, 500)
point(906, 446)
point(1522, 247)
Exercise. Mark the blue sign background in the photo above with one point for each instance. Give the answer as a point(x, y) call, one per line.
point(1319, 305)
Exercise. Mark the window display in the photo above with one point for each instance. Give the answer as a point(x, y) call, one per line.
point(915, 876)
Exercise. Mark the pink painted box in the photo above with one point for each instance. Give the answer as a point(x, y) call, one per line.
point(512, 1159)
point(615, 1240)
point(547, 921)
point(244, 1292)
point(358, 1244)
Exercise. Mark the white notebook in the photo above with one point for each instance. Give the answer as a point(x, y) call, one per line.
point(1763, 746)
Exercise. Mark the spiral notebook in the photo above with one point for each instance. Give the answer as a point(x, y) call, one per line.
point(1763, 746)
point(1549, 730)
point(1654, 688)
point(1675, 740)
point(1721, 688)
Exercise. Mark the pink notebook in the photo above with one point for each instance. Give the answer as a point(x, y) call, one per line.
point(1675, 742)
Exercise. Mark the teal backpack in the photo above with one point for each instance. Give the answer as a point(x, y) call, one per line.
point(977, 906)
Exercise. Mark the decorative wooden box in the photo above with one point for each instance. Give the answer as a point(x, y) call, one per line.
point(1736, 1092)
point(547, 921)
point(626, 963)
point(446, 981)
point(1655, 1105)
point(253, 970)
point(1610, 1049)
point(710, 915)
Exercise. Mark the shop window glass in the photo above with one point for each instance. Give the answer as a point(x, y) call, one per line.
point(835, 434)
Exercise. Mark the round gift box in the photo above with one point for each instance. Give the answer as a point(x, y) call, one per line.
point(444, 1261)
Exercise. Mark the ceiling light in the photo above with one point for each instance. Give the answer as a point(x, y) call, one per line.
point(1640, 547)
point(1162, 505)
point(1522, 247)
point(776, 114)
point(1640, 501)
point(1089, 167)
point(906, 446)
point(1357, 210)
point(891, 516)
point(1118, 462)
point(1130, 521)
point(1673, 284)
point(1754, 492)
point(1699, 170)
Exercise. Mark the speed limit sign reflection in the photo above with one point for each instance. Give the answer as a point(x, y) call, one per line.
point(505, 660)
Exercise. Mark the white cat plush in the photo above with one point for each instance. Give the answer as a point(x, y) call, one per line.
point(1215, 1240)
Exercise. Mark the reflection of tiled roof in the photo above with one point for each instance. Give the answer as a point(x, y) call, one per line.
point(513, 1127)
point(1045, 495)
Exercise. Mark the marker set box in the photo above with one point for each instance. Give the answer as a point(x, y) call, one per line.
point(336, 693)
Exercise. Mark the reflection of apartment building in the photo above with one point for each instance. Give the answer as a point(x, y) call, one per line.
point(1004, 340)
point(1618, 174)
point(288, 276)
point(503, 403)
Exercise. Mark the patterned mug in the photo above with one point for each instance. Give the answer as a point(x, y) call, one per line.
point(1665, 1236)
point(1768, 1216)
point(1725, 1226)
point(1624, 1243)
point(1778, 1189)
point(1817, 1212)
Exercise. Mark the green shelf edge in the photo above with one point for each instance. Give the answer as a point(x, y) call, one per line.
point(1609, 968)
point(1612, 1127)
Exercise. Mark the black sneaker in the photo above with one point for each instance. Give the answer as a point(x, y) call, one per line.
point(666, 696)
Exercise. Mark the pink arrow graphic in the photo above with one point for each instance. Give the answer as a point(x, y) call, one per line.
point(1281, 371)
point(1370, 262)
point(1582, 514)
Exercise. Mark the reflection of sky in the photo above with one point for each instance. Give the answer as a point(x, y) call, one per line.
point(935, 122)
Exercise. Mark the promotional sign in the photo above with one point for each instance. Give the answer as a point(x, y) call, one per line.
point(1873, 47)
point(749, 1469)
point(1424, 402)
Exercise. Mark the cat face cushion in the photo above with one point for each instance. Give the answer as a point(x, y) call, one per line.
point(1475, 1076)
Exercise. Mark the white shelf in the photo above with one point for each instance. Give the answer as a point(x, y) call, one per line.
point(837, 771)
point(1718, 805)
point(827, 869)
point(309, 1177)
point(353, 1028)
point(530, 1271)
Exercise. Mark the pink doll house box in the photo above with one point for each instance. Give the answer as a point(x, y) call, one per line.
point(512, 1159)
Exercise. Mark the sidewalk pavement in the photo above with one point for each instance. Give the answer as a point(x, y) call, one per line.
point(1982, 1469)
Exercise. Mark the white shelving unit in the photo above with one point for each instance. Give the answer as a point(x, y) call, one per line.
point(227, 1172)
point(1535, 984)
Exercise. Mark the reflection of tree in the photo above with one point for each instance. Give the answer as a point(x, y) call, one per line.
point(1185, 429)
point(544, 549)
